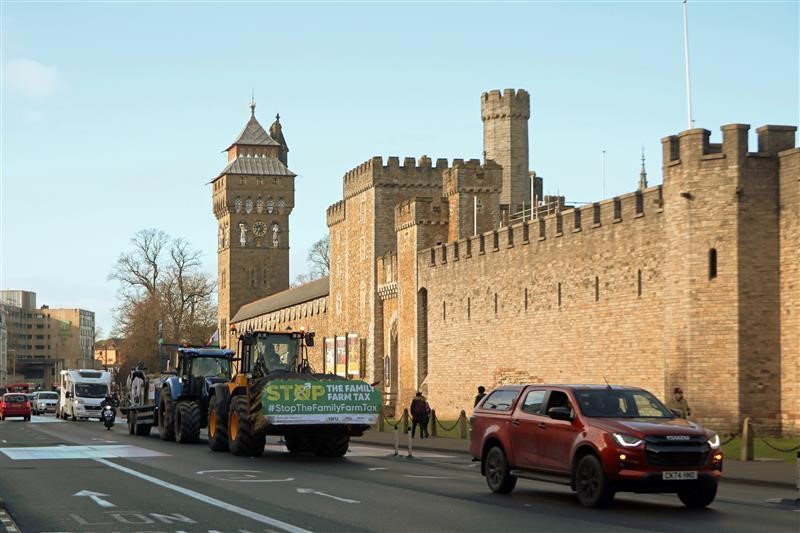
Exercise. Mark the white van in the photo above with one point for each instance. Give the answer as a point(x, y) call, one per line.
point(82, 393)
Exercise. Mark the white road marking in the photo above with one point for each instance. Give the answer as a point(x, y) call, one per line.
point(78, 452)
point(426, 477)
point(377, 468)
point(207, 499)
point(240, 476)
point(367, 451)
point(40, 419)
point(318, 493)
point(104, 440)
point(96, 496)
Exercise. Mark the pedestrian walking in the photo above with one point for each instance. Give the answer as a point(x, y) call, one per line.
point(678, 404)
point(480, 396)
point(419, 415)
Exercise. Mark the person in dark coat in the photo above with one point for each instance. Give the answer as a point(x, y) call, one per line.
point(480, 396)
point(419, 415)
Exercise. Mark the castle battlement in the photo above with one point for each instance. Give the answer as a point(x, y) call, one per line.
point(510, 103)
point(472, 176)
point(336, 213)
point(412, 172)
point(694, 145)
point(420, 211)
point(613, 212)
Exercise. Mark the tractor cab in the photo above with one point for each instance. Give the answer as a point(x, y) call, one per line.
point(198, 368)
point(264, 353)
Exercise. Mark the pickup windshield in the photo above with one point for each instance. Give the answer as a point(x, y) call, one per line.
point(47, 396)
point(91, 390)
point(610, 403)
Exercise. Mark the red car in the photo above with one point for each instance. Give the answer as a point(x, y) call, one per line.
point(15, 404)
point(597, 439)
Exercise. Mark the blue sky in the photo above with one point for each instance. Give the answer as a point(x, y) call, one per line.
point(114, 115)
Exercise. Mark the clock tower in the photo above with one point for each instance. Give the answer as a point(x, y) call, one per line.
point(252, 199)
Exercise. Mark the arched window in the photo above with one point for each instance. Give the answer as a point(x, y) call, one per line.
point(712, 263)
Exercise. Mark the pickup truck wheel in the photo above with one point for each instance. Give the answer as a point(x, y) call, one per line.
point(218, 423)
point(701, 494)
point(498, 476)
point(591, 483)
point(166, 414)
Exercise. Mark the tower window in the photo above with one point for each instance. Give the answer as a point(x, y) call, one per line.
point(596, 288)
point(639, 283)
point(469, 307)
point(444, 310)
point(559, 294)
point(712, 263)
point(526, 298)
point(495, 303)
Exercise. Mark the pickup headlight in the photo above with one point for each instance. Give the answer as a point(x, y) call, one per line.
point(627, 440)
point(713, 441)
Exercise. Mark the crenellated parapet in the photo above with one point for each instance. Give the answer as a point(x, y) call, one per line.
point(420, 211)
point(336, 213)
point(509, 103)
point(472, 177)
point(412, 173)
point(694, 146)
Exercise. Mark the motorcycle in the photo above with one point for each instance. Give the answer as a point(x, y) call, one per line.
point(107, 415)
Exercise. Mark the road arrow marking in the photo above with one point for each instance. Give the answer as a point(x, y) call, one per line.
point(312, 491)
point(377, 468)
point(96, 497)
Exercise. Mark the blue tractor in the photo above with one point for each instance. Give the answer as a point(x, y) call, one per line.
point(177, 400)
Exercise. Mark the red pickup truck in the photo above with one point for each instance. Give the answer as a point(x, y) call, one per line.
point(598, 439)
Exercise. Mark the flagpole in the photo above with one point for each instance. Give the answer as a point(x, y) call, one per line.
point(686, 55)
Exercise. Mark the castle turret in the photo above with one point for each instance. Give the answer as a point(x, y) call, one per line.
point(505, 140)
point(276, 132)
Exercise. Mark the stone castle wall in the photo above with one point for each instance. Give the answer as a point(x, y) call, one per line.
point(554, 300)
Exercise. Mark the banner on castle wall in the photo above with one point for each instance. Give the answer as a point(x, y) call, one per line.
point(353, 354)
point(341, 356)
point(330, 354)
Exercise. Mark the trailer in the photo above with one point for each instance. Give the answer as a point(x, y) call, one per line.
point(176, 401)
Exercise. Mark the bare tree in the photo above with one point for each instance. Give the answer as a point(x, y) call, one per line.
point(161, 282)
point(319, 257)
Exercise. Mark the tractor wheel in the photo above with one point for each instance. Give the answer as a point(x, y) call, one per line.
point(218, 407)
point(187, 422)
point(331, 445)
point(297, 442)
point(166, 415)
point(243, 440)
point(131, 422)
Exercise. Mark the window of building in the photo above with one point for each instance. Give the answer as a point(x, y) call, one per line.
point(559, 294)
point(712, 263)
point(639, 283)
point(596, 288)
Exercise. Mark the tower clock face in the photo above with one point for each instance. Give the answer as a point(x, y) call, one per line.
point(259, 229)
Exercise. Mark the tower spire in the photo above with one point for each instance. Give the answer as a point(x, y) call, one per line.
point(642, 174)
point(252, 102)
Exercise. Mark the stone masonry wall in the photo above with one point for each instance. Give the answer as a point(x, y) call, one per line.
point(559, 306)
point(790, 289)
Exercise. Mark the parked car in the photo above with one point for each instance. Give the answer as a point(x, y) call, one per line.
point(15, 404)
point(597, 439)
point(44, 402)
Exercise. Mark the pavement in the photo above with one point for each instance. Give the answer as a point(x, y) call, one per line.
point(768, 473)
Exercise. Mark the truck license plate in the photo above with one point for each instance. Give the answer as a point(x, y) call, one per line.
point(680, 474)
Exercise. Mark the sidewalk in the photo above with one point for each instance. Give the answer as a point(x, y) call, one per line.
point(769, 473)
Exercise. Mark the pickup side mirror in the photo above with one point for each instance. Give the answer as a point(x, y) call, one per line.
point(68, 395)
point(559, 413)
